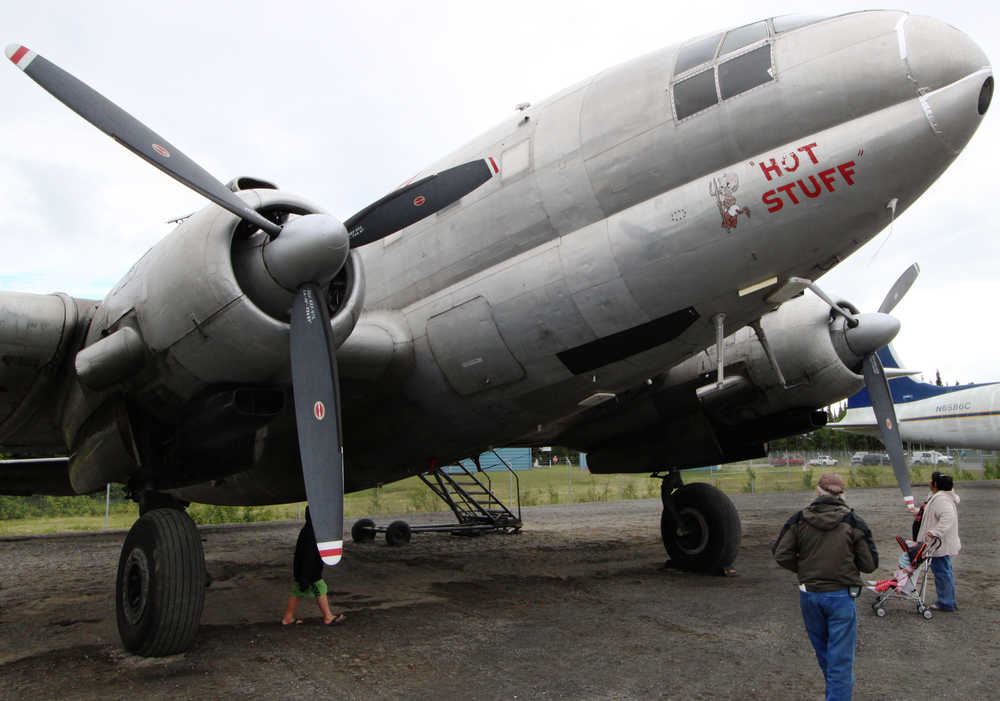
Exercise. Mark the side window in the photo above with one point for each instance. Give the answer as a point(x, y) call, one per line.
point(695, 94)
point(696, 53)
point(746, 71)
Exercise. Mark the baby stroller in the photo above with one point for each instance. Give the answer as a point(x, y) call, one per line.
point(909, 581)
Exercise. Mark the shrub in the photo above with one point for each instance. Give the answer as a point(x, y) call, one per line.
point(652, 489)
point(553, 494)
point(867, 477)
point(422, 499)
point(749, 485)
point(808, 480)
point(629, 492)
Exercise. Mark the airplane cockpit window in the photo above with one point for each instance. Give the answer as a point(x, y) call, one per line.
point(695, 93)
point(787, 23)
point(745, 71)
point(744, 36)
point(696, 53)
point(738, 60)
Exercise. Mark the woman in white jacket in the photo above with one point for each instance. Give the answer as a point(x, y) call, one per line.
point(939, 519)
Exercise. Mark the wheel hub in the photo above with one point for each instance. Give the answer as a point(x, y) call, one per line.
point(135, 586)
point(692, 531)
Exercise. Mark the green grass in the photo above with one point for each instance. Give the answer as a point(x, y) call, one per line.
point(545, 485)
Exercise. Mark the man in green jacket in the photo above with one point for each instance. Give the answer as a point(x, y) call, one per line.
point(827, 545)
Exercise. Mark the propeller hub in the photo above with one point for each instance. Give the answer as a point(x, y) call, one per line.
point(311, 248)
point(873, 331)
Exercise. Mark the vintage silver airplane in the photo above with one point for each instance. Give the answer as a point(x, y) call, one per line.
point(618, 269)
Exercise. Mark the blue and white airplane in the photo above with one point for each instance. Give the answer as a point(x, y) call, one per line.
point(960, 416)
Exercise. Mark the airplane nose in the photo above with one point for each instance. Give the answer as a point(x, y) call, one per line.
point(950, 72)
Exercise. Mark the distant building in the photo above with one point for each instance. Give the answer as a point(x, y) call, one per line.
point(517, 458)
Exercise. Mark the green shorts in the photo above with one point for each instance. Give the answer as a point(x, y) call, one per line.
point(317, 588)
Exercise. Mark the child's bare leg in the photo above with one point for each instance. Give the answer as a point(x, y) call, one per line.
point(324, 605)
point(289, 616)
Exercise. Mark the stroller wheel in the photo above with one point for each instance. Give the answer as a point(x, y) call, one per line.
point(928, 614)
point(880, 612)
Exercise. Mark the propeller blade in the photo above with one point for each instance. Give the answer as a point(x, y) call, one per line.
point(885, 415)
point(899, 288)
point(131, 133)
point(317, 418)
point(413, 202)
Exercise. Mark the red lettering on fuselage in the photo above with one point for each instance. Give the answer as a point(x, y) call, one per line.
point(790, 162)
point(773, 168)
point(773, 201)
point(809, 186)
point(847, 170)
point(808, 148)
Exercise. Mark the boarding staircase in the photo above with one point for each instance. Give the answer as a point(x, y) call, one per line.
point(467, 489)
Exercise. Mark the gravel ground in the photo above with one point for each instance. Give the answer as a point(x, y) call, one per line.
point(577, 606)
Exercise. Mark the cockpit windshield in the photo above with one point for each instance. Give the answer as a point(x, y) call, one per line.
point(726, 64)
point(696, 53)
point(744, 36)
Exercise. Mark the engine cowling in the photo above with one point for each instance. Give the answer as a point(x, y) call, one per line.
point(686, 418)
point(204, 297)
point(206, 310)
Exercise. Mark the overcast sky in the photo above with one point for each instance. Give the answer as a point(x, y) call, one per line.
point(341, 102)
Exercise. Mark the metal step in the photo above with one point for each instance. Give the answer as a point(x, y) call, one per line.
point(472, 501)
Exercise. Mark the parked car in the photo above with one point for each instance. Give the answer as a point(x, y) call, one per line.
point(824, 460)
point(787, 460)
point(876, 459)
point(858, 457)
point(932, 457)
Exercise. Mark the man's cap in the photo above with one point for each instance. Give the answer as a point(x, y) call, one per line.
point(832, 483)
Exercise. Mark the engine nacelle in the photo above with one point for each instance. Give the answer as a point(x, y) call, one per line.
point(200, 302)
point(687, 418)
point(36, 332)
point(817, 366)
point(200, 313)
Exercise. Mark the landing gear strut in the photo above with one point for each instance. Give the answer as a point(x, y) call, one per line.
point(700, 526)
point(160, 588)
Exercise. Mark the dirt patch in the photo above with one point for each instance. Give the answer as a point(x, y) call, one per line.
point(578, 606)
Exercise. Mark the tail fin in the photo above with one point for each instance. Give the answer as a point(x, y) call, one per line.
point(904, 389)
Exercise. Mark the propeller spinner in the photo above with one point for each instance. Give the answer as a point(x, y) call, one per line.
point(310, 252)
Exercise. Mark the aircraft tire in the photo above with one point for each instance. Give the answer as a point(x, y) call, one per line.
point(363, 530)
point(160, 588)
point(398, 533)
point(712, 540)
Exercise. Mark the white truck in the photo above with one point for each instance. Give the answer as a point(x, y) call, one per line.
point(931, 457)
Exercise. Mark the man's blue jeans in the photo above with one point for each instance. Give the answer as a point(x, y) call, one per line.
point(944, 581)
point(831, 620)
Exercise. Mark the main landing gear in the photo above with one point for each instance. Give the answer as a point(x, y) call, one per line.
point(700, 526)
point(160, 588)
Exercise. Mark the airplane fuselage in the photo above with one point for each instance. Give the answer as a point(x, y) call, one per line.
point(966, 417)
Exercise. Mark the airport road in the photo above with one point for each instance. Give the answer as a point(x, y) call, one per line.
point(578, 606)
